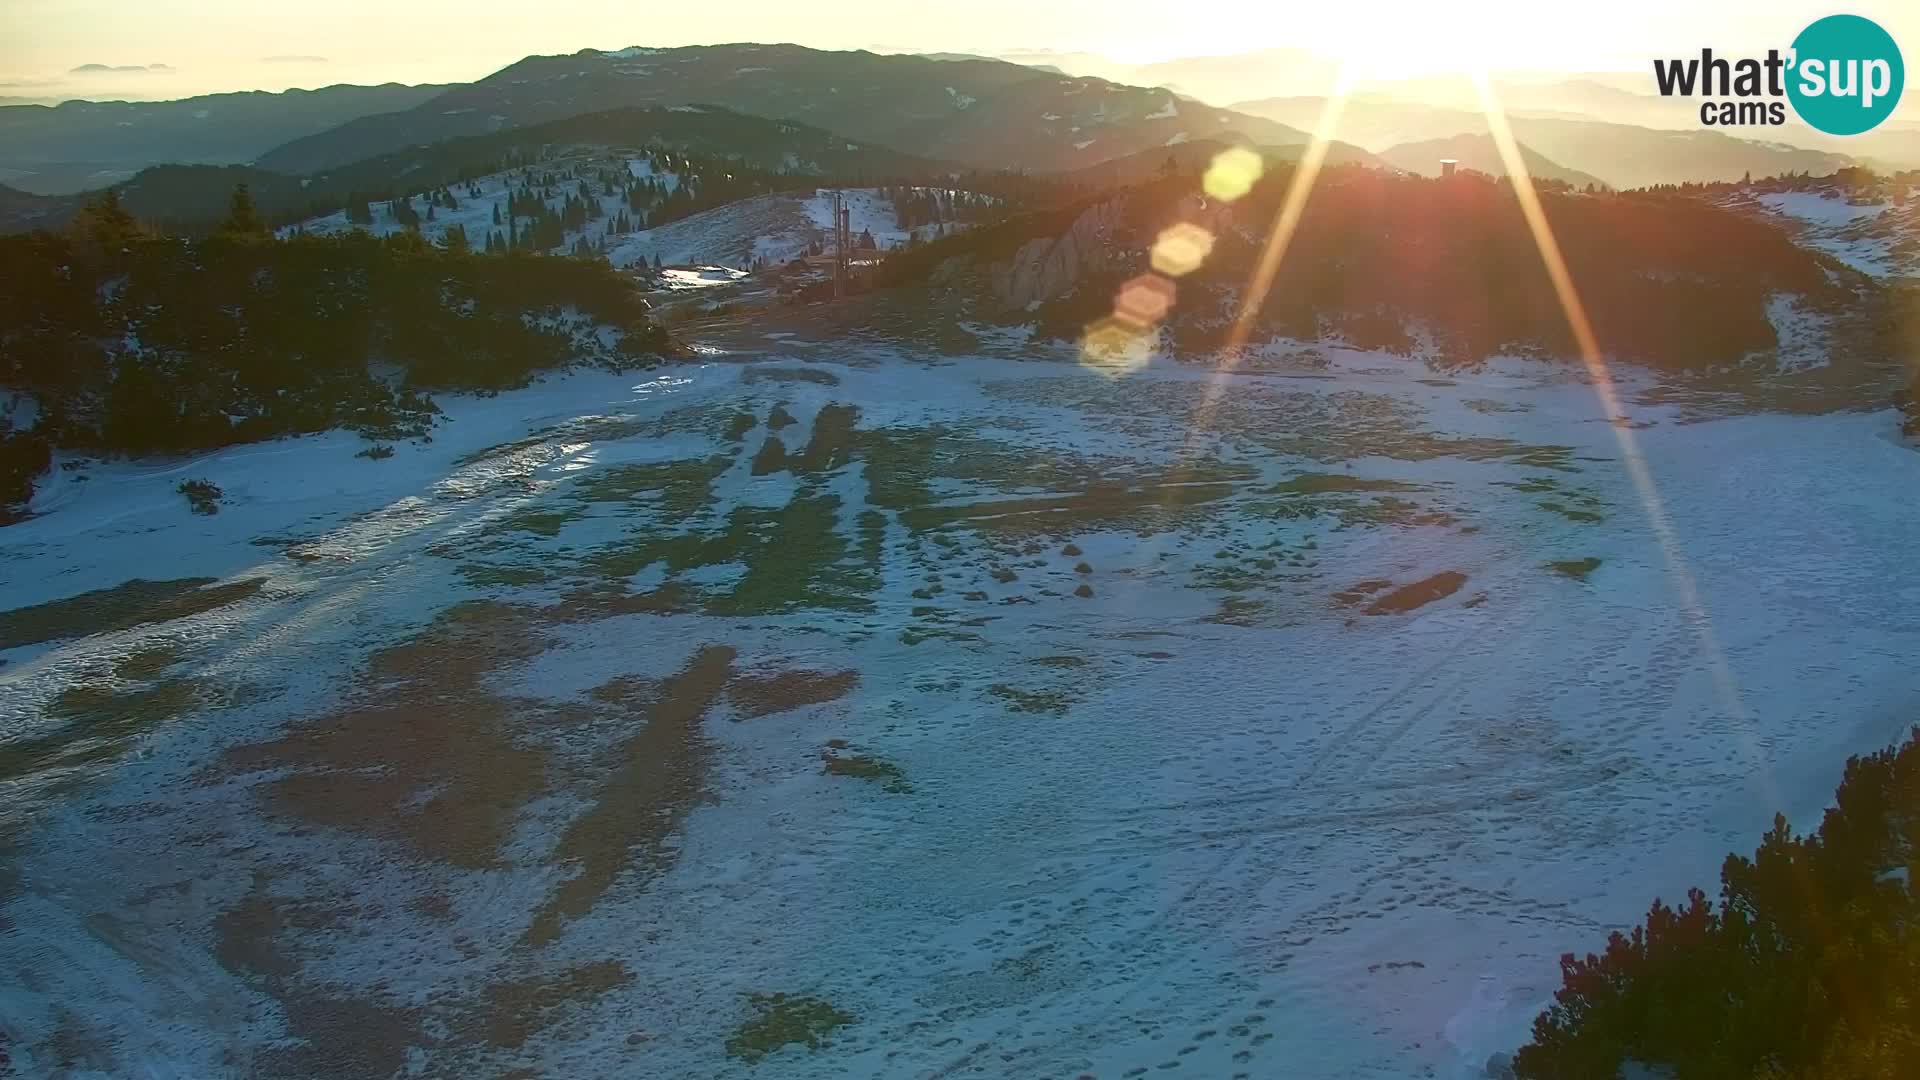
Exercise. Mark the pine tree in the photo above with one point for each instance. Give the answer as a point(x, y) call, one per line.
point(456, 240)
point(107, 223)
point(242, 219)
point(496, 213)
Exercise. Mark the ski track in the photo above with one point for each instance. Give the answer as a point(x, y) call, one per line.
point(1329, 844)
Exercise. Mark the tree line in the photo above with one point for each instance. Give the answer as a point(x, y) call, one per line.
point(1806, 967)
point(130, 341)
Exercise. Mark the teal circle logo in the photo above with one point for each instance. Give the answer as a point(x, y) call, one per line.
point(1846, 76)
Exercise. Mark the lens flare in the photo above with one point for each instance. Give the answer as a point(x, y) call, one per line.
point(1233, 173)
point(1115, 347)
point(1144, 301)
point(1180, 249)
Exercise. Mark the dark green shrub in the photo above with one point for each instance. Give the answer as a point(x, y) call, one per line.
point(203, 496)
point(1807, 968)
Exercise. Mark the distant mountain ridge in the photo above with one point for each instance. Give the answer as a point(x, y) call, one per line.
point(1622, 155)
point(977, 113)
point(860, 95)
point(63, 148)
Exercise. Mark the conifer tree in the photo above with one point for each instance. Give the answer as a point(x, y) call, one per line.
point(242, 219)
point(107, 223)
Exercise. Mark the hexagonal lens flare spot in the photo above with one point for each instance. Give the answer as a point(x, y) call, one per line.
point(1143, 301)
point(1233, 173)
point(1114, 347)
point(1180, 249)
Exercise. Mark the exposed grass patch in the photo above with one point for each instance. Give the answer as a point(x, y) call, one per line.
point(662, 774)
point(1419, 594)
point(738, 427)
point(542, 522)
point(794, 557)
point(1490, 405)
point(1324, 483)
point(1572, 514)
point(483, 575)
point(518, 1010)
point(831, 444)
point(1351, 510)
point(1577, 569)
point(95, 723)
point(868, 767)
point(1048, 702)
point(771, 458)
point(127, 605)
point(145, 663)
point(781, 1020)
point(679, 487)
point(756, 694)
point(1241, 611)
point(420, 752)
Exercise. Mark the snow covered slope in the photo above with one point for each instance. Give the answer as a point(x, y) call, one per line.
point(1879, 237)
point(989, 716)
point(766, 228)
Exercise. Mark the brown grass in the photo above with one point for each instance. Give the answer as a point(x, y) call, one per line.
point(420, 723)
point(518, 1010)
point(1419, 594)
point(756, 694)
point(664, 772)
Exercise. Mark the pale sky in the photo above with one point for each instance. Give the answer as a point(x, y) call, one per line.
point(213, 45)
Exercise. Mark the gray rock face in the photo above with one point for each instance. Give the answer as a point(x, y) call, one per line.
point(1049, 267)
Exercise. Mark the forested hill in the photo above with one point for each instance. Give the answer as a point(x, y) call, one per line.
point(983, 114)
point(1446, 269)
point(125, 342)
point(765, 155)
point(60, 149)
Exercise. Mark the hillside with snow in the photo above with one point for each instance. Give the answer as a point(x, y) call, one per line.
point(1877, 234)
point(996, 713)
point(753, 231)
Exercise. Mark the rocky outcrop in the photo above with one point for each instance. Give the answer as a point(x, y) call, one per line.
point(1048, 267)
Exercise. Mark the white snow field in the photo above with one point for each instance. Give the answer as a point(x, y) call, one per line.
point(544, 748)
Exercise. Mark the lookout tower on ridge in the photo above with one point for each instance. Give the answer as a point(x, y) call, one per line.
point(1447, 166)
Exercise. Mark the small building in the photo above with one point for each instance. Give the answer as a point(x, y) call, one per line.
point(1447, 165)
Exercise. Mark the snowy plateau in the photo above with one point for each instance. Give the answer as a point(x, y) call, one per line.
point(968, 715)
